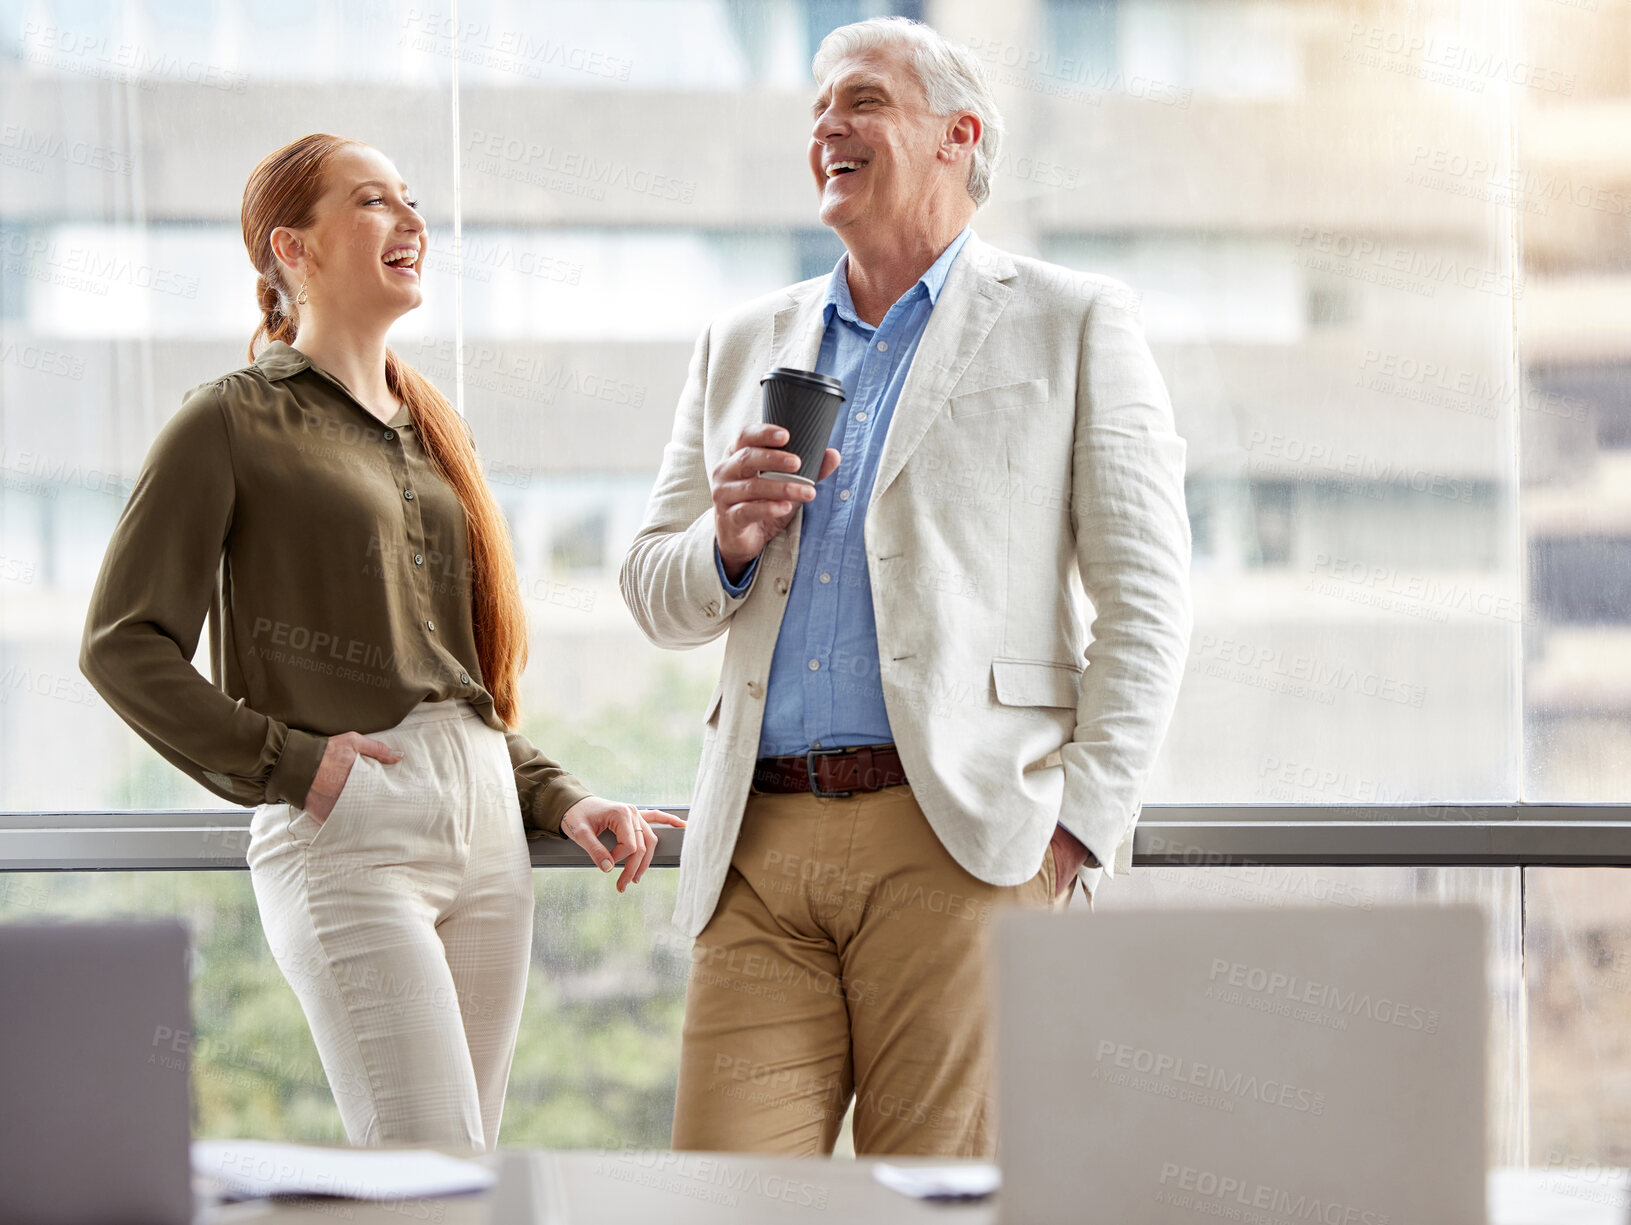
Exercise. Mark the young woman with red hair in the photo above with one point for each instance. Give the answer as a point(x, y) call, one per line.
point(326, 507)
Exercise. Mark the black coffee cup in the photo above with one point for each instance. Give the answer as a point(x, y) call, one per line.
point(805, 404)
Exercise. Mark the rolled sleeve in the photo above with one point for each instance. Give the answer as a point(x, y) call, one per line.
point(737, 589)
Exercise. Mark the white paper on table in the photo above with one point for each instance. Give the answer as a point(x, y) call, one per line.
point(247, 1169)
point(1559, 1197)
point(970, 1181)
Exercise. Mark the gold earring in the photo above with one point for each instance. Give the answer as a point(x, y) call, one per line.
point(300, 298)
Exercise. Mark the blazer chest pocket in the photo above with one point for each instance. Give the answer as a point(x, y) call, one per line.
point(1035, 682)
point(995, 399)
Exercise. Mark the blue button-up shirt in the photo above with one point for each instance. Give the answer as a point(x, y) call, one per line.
point(824, 688)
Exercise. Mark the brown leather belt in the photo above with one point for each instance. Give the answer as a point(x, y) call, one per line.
point(832, 773)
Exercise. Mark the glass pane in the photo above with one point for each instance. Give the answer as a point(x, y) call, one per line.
point(597, 1057)
point(1577, 963)
point(130, 131)
point(607, 218)
point(1569, 198)
point(1334, 320)
point(598, 1053)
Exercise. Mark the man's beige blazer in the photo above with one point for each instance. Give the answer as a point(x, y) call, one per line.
point(1030, 468)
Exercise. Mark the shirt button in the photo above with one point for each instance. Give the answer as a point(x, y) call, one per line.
point(408, 494)
point(843, 495)
point(826, 578)
point(883, 346)
point(389, 434)
point(860, 416)
point(815, 665)
point(431, 625)
point(418, 560)
point(464, 678)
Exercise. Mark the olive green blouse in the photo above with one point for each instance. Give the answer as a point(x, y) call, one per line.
point(333, 563)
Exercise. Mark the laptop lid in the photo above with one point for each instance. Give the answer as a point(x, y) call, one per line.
point(94, 1100)
point(1284, 1067)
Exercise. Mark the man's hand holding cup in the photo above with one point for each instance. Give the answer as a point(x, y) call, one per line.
point(768, 474)
point(751, 510)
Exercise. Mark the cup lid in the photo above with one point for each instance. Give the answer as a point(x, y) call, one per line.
point(809, 377)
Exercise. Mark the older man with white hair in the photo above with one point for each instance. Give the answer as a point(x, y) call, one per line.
point(919, 719)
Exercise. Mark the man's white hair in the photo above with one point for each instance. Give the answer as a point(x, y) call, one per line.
point(951, 77)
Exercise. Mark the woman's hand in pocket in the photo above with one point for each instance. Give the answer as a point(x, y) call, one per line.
point(591, 816)
point(335, 768)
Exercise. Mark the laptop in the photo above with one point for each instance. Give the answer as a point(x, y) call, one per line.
point(94, 1100)
point(1273, 1067)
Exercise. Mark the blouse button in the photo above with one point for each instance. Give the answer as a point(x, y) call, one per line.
point(430, 625)
point(464, 678)
point(389, 434)
point(418, 560)
point(408, 494)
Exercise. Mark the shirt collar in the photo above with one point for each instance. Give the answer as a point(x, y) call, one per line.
point(279, 360)
point(838, 297)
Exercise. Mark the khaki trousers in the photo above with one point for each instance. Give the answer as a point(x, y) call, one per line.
point(846, 959)
point(404, 924)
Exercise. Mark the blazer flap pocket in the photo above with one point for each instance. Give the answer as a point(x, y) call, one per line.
point(990, 399)
point(1035, 682)
point(713, 702)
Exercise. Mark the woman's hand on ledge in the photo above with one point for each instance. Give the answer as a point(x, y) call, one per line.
point(591, 816)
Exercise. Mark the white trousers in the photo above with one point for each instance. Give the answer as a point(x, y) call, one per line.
point(404, 924)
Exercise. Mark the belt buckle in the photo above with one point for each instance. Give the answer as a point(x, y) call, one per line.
point(810, 756)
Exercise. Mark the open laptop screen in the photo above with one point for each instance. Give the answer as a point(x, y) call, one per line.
point(94, 1099)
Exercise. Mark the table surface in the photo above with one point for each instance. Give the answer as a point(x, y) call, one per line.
point(662, 1188)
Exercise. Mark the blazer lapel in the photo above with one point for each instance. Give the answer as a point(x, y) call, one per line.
point(970, 302)
point(796, 330)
